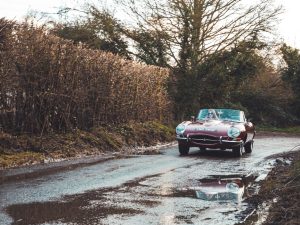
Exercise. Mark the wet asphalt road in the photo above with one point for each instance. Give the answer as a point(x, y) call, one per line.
point(151, 189)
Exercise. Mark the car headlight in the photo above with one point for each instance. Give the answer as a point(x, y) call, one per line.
point(180, 129)
point(233, 132)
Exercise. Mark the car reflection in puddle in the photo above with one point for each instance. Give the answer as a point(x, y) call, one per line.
point(225, 189)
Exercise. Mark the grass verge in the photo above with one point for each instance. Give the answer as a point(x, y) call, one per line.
point(30, 149)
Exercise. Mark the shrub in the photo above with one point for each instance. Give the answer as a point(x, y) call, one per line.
point(50, 84)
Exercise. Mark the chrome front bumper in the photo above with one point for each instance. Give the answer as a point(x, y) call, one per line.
point(207, 141)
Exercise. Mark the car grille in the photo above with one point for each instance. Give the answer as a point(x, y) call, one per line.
point(204, 139)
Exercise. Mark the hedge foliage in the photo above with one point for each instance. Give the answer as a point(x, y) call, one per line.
point(50, 84)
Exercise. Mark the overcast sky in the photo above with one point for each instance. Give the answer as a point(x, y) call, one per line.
point(288, 29)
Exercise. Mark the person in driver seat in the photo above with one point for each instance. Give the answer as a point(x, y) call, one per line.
point(211, 114)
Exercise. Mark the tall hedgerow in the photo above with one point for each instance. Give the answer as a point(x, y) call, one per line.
point(50, 84)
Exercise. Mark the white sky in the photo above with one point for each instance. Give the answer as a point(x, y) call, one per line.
point(16, 9)
point(288, 28)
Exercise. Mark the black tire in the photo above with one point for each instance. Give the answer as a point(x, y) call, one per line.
point(238, 151)
point(249, 147)
point(202, 149)
point(183, 149)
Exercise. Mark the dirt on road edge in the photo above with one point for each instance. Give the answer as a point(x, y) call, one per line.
point(280, 190)
point(133, 138)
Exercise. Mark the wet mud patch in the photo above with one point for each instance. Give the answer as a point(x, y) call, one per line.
point(188, 219)
point(138, 182)
point(82, 209)
point(66, 212)
point(201, 210)
point(179, 193)
point(85, 208)
point(229, 212)
point(147, 202)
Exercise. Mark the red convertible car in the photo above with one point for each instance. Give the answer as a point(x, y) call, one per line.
point(216, 129)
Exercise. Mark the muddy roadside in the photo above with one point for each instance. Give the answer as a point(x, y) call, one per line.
point(278, 200)
point(38, 169)
point(28, 156)
point(279, 192)
point(282, 186)
point(134, 138)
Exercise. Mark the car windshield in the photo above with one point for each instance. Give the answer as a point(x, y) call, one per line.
point(222, 114)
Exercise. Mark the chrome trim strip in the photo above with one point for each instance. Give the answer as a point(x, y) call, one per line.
point(237, 142)
point(210, 140)
point(181, 138)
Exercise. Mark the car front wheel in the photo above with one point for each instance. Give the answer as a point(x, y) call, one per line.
point(202, 149)
point(238, 151)
point(183, 149)
point(249, 147)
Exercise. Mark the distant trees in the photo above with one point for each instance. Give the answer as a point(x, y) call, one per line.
point(180, 33)
point(225, 74)
point(100, 30)
point(267, 98)
point(204, 45)
point(193, 30)
point(190, 37)
point(291, 74)
point(243, 78)
point(7, 82)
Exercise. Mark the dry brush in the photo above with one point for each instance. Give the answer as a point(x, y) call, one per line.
point(49, 84)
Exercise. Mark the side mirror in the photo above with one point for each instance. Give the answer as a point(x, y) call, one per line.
point(193, 118)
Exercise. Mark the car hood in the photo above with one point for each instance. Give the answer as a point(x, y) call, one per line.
point(218, 127)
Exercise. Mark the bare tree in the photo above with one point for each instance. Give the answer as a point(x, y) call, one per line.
point(191, 30)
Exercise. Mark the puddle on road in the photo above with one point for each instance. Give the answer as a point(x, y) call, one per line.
point(218, 188)
point(139, 198)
